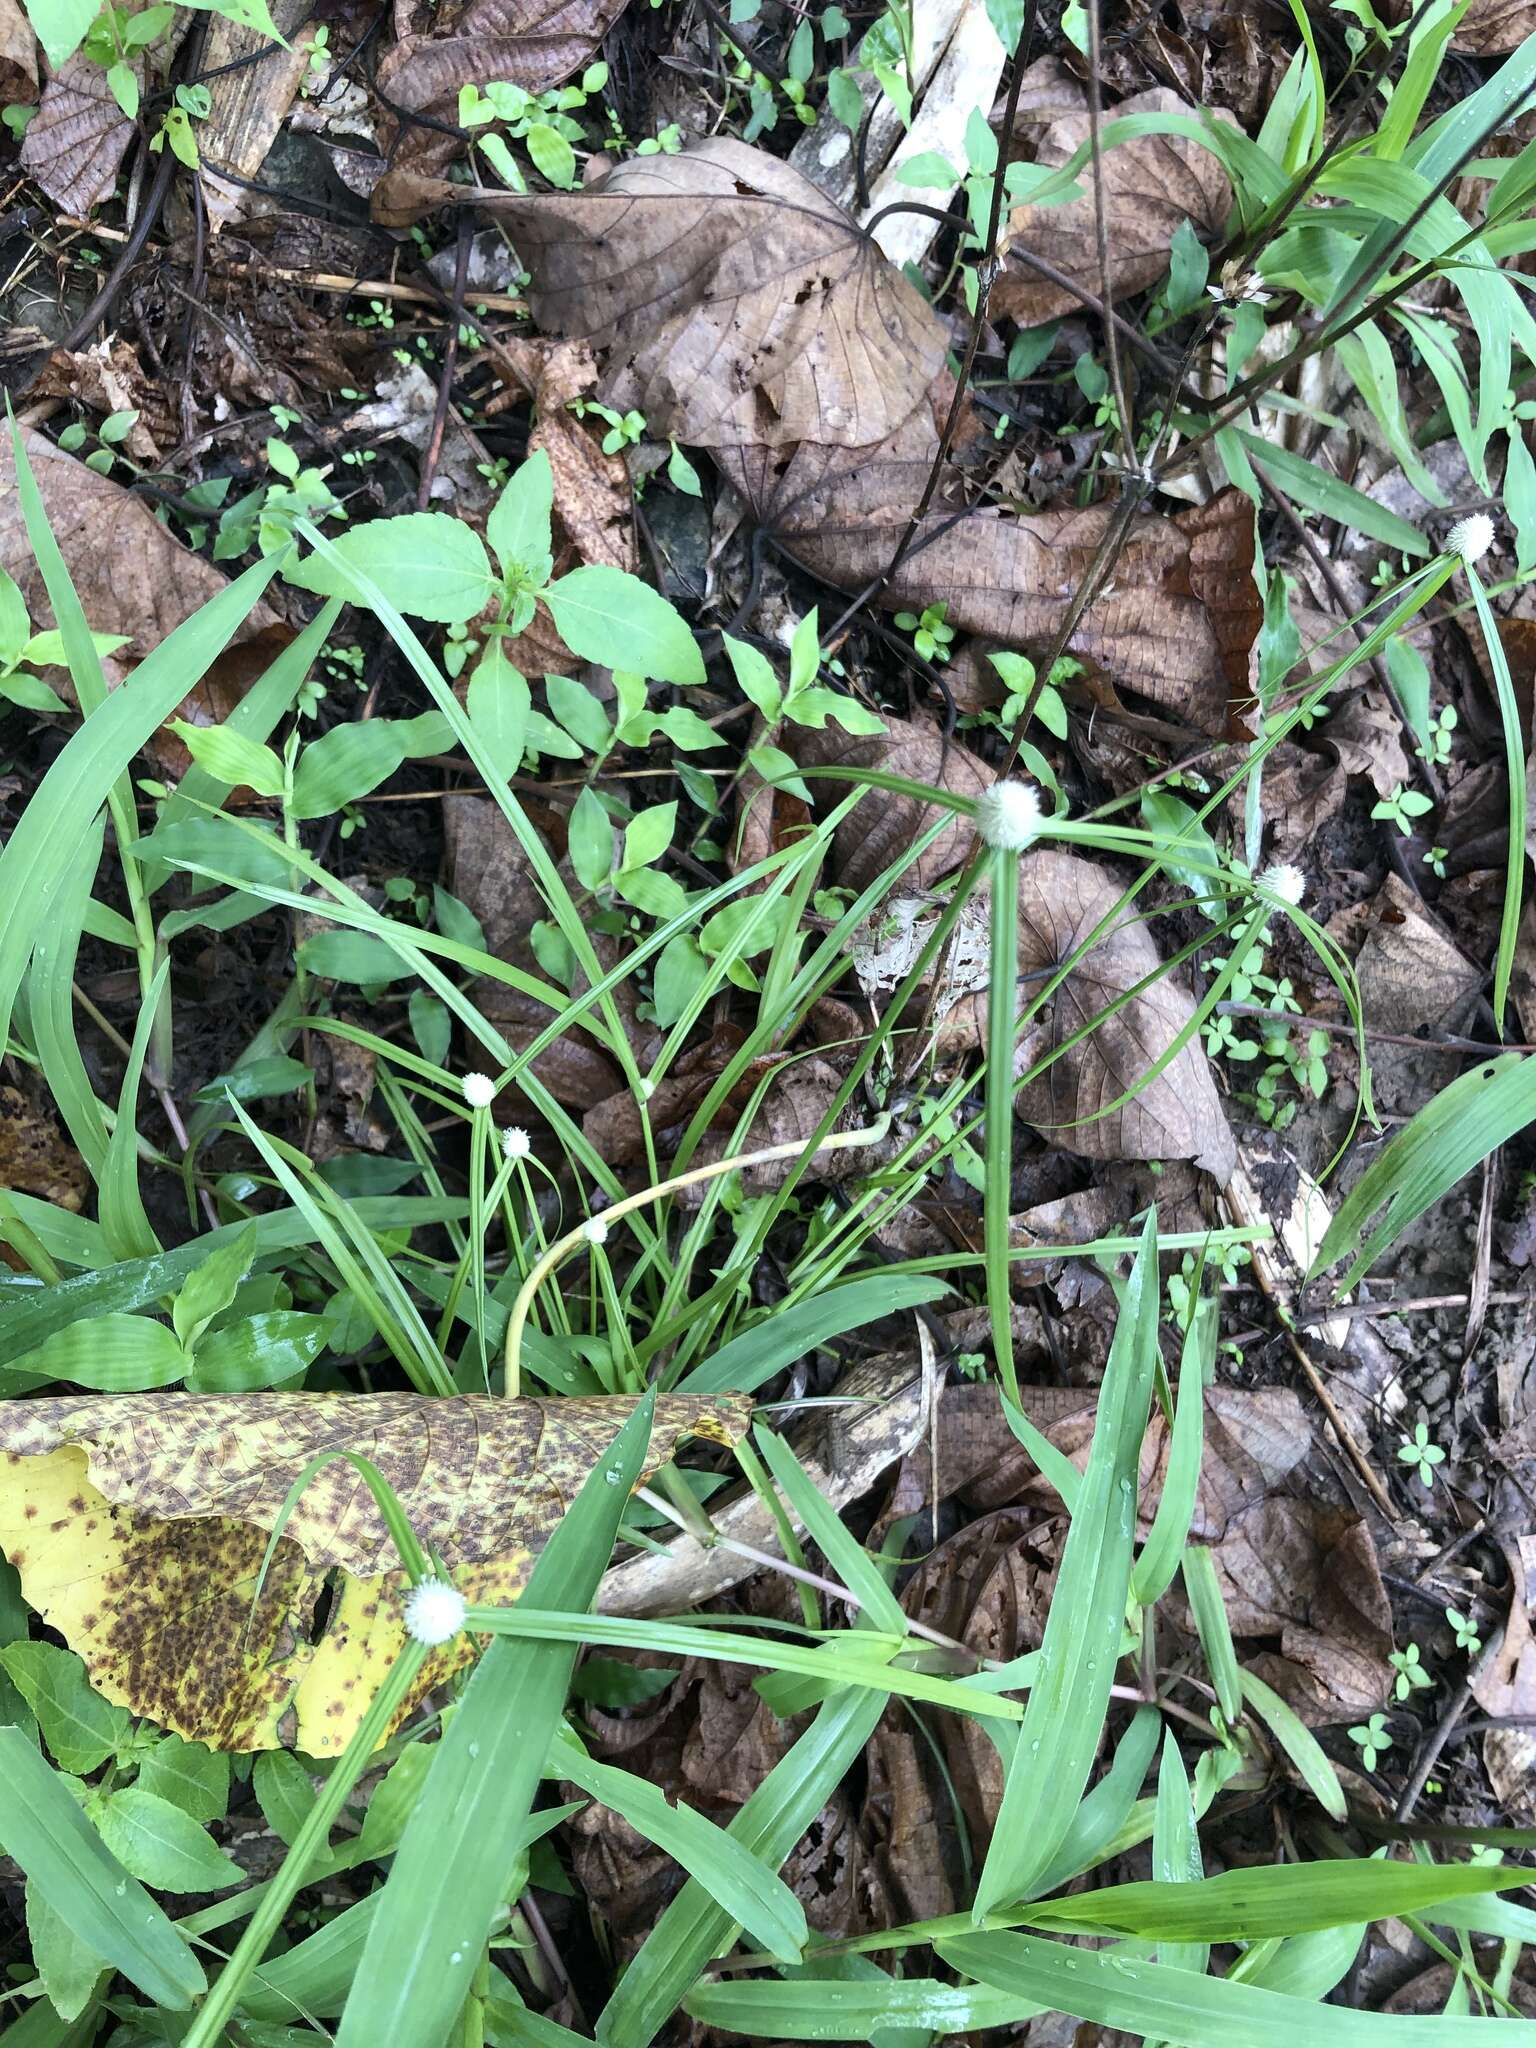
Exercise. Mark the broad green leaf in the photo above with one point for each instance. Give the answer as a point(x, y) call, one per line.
point(552, 155)
point(498, 703)
point(257, 1351)
point(43, 1828)
point(648, 835)
point(80, 1728)
point(579, 712)
point(427, 1937)
point(350, 760)
point(136, 1283)
point(1068, 1701)
point(433, 566)
point(211, 1286)
point(284, 1791)
point(70, 1968)
point(607, 616)
point(229, 758)
point(189, 1775)
point(739, 1883)
point(519, 528)
point(352, 956)
point(114, 1354)
point(61, 26)
point(1480, 1110)
point(160, 1844)
point(756, 678)
point(589, 841)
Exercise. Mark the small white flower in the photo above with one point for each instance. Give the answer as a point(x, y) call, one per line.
point(1286, 881)
point(434, 1612)
point(1008, 816)
point(515, 1142)
point(479, 1090)
point(595, 1231)
point(1471, 538)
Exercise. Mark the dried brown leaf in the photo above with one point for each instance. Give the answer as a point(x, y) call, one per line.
point(1491, 28)
point(841, 513)
point(18, 55)
point(139, 1522)
point(535, 44)
point(132, 576)
point(1177, 1115)
point(741, 305)
point(77, 138)
point(1151, 186)
point(884, 824)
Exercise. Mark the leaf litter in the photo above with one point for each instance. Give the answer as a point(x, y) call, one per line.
point(705, 294)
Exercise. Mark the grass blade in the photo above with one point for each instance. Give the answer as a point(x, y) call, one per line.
point(1298, 1742)
point(459, 1850)
point(1070, 1696)
point(1456, 1131)
point(43, 1828)
point(693, 1928)
point(1197, 2012)
point(40, 852)
point(753, 1895)
point(1272, 1900)
point(1160, 1554)
point(741, 1366)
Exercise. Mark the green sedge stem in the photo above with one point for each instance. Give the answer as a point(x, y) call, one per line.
point(1001, 1025)
point(207, 2029)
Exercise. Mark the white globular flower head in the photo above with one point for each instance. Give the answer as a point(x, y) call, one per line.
point(1008, 816)
point(515, 1142)
point(595, 1231)
point(434, 1612)
point(479, 1090)
point(1286, 881)
point(1471, 538)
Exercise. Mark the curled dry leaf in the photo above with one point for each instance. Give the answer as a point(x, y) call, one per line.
point(139, 1522)
point(1177, 1114)
point(77, 138)
point(108, 378)
point(535, 44)
point(1491, 28)
point(1151, 186)
point(593, 497)
point(741, 304)
point(133, 578)
point(18, 55)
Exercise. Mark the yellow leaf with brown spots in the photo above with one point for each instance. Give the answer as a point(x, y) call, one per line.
point(138, 1523)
